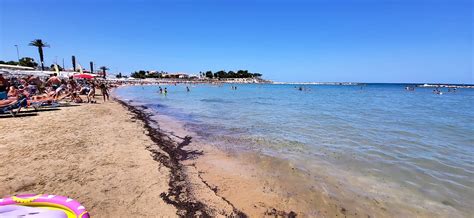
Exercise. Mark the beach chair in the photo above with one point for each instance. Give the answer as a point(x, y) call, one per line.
point(18, 104)
point(46, 103)
point(49, 102)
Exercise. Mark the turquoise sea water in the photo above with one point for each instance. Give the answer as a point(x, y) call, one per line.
point(414, 139)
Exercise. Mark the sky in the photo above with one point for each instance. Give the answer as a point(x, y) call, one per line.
point(292, 41)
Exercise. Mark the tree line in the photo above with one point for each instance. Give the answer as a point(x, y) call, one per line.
point(24, 61)
point(142, 74)
point(231, 74)
point(28, 62)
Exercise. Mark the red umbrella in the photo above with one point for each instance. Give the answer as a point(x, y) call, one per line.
point(84, 76)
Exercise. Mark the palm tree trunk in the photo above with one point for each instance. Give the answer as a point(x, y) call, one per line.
point(40, 50)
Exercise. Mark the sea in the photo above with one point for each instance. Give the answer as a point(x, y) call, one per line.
point(420, 143)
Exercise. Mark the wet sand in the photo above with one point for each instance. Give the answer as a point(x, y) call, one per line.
point(121, 160)
point(256, 185)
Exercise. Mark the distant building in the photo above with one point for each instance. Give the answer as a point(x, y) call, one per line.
point(175, 75)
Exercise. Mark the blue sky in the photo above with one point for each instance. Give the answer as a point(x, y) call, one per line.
point(320, 40)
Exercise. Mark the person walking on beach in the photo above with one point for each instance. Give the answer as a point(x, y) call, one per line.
point(105, 91)
point(91, 94)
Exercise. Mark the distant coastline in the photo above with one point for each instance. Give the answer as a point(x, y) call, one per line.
point(264, 81)
point(420, 85)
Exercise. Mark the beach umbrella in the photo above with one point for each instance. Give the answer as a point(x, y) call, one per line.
point(84, 76)
point(29, 72)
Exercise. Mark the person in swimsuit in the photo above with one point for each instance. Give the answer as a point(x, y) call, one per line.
point(72, 85)
point(3, 87)
point(60, 89)
point(91, 94)
point(13, 91)
point(105, 91)
point(76, 98)
point(54, 81)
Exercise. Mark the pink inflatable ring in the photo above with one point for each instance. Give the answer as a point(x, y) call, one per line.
point(42, 205)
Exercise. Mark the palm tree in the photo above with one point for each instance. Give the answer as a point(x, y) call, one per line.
point(104, 68)
point(40, 44)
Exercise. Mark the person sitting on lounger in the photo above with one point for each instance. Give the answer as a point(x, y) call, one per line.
point(54, 81)
point(60, 89)
point(3, 87)
point(12, 92)
point(34, 85)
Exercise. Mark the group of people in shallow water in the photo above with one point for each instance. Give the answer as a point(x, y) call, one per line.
point(52, 89)
point(165, 90)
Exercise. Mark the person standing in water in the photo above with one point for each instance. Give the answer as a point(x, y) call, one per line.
point(166, 91)
point(161, 90)
point(187, 89)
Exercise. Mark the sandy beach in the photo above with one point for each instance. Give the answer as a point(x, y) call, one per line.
point(93, 153)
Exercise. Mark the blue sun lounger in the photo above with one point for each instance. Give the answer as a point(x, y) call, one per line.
point(18, 104)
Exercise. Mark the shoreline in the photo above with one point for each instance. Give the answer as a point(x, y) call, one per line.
point(179, 193)
point(192, 186)
point(167, 170)
point(218, 177)
point(258, 184)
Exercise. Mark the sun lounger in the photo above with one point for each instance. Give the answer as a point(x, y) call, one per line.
point(18, 104)
point(46, 102)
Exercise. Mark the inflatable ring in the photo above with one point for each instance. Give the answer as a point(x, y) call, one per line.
point(70, 207)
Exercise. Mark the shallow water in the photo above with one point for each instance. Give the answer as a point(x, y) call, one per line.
point(418, 142)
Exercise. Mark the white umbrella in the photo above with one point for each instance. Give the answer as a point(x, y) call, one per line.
point(30, 72)
point(7, 66)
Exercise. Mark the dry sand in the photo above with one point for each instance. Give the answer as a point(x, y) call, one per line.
point(93, 153)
